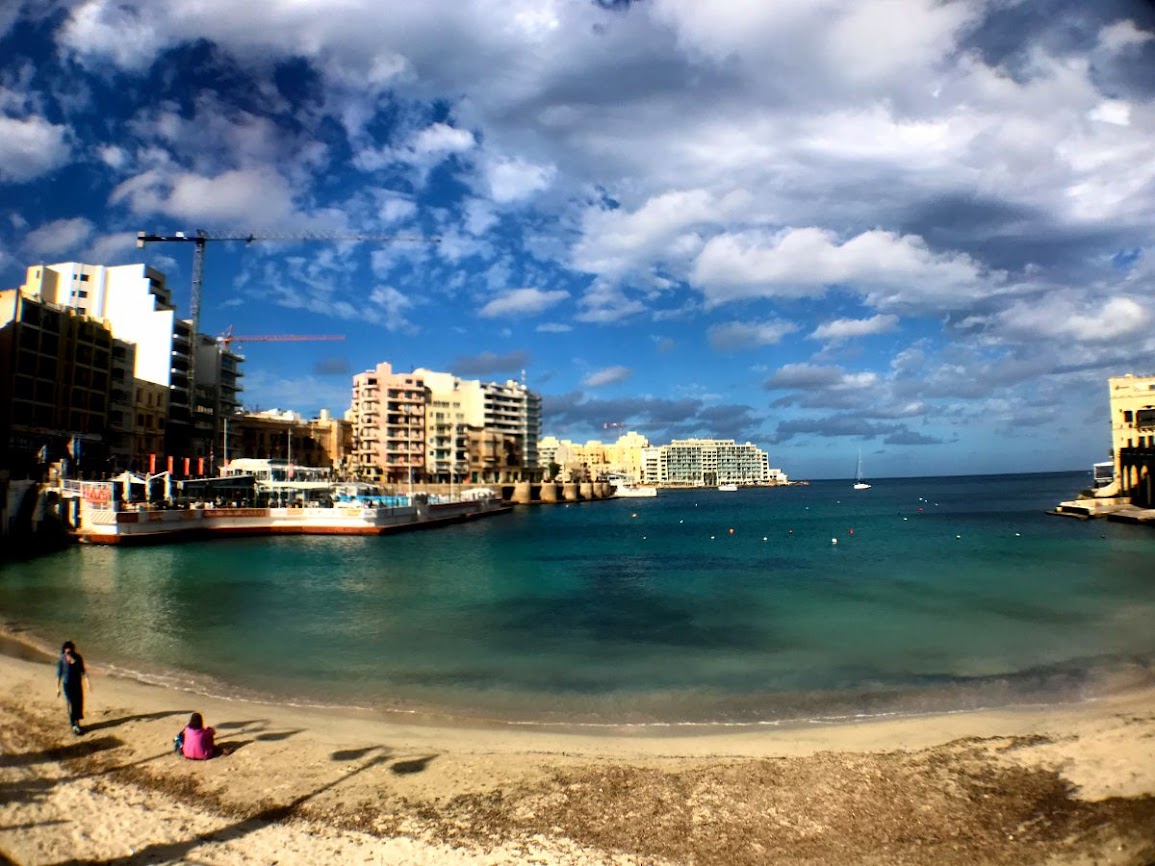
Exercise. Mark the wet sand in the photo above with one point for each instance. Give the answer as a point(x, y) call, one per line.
point(1072, 784)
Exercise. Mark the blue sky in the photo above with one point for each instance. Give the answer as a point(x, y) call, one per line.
point(913, 228)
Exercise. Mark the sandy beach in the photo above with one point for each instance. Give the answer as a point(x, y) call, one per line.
point(1058, 785)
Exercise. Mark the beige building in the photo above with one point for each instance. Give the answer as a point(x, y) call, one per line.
point(1132, 436)
point(594, 459)
point(323, 442)
point(429, 426)
point(388, 416)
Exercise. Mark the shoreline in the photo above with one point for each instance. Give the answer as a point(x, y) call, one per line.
point(1056, 784)
point(1110, 679)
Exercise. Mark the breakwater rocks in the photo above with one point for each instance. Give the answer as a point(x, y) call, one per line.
point(551, 493)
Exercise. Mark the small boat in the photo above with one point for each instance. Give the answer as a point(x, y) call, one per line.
point(728, 488)
point(859, 484)
point(641, 491)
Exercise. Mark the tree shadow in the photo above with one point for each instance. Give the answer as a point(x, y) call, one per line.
point(143, 717)
point(31, 825)
point(56, 754)
point(413, 765)
point(178, 851)
point(277, 736)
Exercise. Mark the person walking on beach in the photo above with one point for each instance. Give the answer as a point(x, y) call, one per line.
point(70, 677)
point(196, 741)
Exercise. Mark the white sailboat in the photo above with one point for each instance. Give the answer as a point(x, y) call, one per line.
point(859, 484)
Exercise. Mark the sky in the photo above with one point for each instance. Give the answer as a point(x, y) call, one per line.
point(915, 229)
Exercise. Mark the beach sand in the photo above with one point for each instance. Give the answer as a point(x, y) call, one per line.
point(1073, 784)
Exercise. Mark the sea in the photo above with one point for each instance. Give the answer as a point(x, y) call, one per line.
point(696, 609)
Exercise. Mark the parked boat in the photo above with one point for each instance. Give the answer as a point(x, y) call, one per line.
point(635, 491)
point(728, 488)
point(859, 483)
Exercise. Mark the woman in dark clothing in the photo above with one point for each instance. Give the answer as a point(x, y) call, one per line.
point(70, 676)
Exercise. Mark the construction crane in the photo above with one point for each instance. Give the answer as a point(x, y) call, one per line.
point(200, 239)
point(228, 338)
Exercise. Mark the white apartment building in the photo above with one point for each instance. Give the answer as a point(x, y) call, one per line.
point(136, 304)
point(455, 406)
point(512, 410)
point(710, 462)
point(132, 299)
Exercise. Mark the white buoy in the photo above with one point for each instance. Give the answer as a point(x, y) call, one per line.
point(764, 538)
point(958, 536)
point(834, 541)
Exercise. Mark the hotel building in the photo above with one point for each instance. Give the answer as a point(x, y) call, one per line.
point(1133, 437)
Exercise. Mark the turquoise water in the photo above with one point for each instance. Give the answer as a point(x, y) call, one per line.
point(695, 607)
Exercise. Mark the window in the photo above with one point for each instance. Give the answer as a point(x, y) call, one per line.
point(1128, 417)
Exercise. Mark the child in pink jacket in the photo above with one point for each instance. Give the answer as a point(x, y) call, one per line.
point(197, 740)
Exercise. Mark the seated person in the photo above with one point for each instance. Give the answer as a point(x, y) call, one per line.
point(198, 740)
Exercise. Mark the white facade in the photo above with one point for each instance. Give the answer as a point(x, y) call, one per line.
point(710, 462)
point(455, 405)
point(132, 299)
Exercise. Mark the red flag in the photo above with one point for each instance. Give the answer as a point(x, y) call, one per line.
point(151, 464)
point(170, 464)
point(200, 466)
point(186, 467)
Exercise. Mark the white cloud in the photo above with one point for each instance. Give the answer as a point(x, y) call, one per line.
point(1115, 320)
point(1116, 111)
point(843, 329)
point(121, 32)
point(58, 237)
point(522, 302)
point(513, 179)
point(31, 147)
point(664, 228)
point(1123, 35)
point(389, 307)
point(886, 268)
point(807, 376)
point(606, 376)
point(745, 335)
point(254, 197)
point(441, 138)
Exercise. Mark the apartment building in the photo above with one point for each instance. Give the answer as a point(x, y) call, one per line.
point(388, 413)
point(710, 462)
point(456, 407)
point(59, 387)
point(432, 426)
point(1133, 437)
point(514, 411)
point(137, 305)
